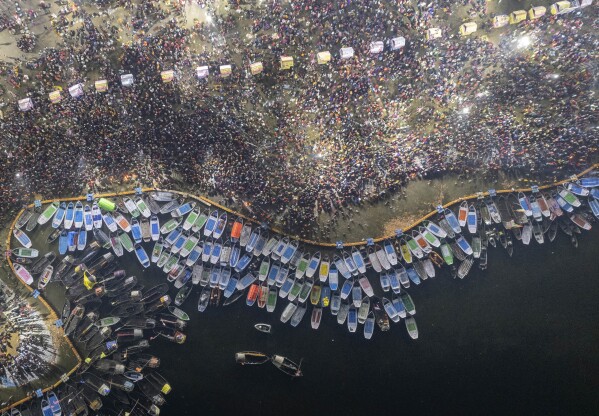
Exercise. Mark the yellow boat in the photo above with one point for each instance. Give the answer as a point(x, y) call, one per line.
point(405, 251)
point(315, 294)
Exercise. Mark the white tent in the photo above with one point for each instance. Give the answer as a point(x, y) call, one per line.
point(76, 90)
point(346, 53)
point(25, 104)
point(202, 72)
point(376, 47)
point(127, 80)
point(433, 33)
point(398, 43)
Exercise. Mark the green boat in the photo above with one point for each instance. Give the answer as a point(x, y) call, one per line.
point(126, 241)
point(182, 315)
point(48, 213)
point(157, 250)
point(191, 219)
point(200, 221)
point(412, 244)
point(169, 226)
point(447, 254)
point(111, 320)
point(271, 303)
point(302, 265)
point(164, 256)
point(28, 253)
point(170, 264)
point(295, 289)
point(411, 327)
point(408, 303)
point(264, 267)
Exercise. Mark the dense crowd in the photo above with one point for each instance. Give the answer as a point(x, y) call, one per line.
point(316, 138)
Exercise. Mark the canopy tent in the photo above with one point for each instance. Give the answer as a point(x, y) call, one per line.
point(376, 47)
point(101, 85)
point(468, 28)
point(55, 97)
point(76, 90)
point(433, 33)
point(202, 72)
point(286, 62)
point(559, 7)
point(323, 57)
point(346, 53)
point(500, 20)
point(167, 76)
point(536, 12)
point(585, 3)
point(256, 68)
point(517, 16)
point(127, 80)
point(25, 104)
point(225, 70)
point(398, 43)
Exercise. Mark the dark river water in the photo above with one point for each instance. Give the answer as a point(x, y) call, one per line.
point(519, 338)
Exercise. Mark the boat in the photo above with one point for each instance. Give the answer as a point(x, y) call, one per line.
point(444, 224)
point(408, 303)
point(537, 232)
point(452, 220)
point(23, 238)
point(313, 264)
point(271, 302)
point(472, 219)
point(204, 299)
point(45, 277)
point(72, 240)
point(414, 247)
point(411, 327)
point(390, 309)
point(352, 319)
point(464, 245)
point(316, 317)
point(298, 315)
point(220, 226)
point(178, 313)
point(385, 281)
point(287, 366)
point(580, 221)
point(109, 221)
point(81, 239)
point(251, 358)
point(211, 224)
point(23, 274)
point(463, 213)
point(525, 204)
point(122, 222)
point(576, 189)
point(569, 197)
point(126, 241)
point(145, 230)
point(406, 254)
point(429, 237)
point(358, 260)
point(369, 325)
point(28, 253)
point(288, 312)
point(69, 216)
point(288, 253)
point(244, 238)
point(333, 277)
point(366, 286)
point(594, 205)
point(589, 182)
point(48, 213)
point(24, 218)
point(136, 230)
point(465, 267)
point(63, 243)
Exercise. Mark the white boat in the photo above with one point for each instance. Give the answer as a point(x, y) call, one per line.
point(142, 256)
point(358, 260)
point(48, 213)
point(78, 215)
point(109, 221)
point(27, 253)
point(382, 256)
point(211, 223)
point(23, 274)
point(96, 216)
point(411, 327)
point(288, 252)
point(22, 238)
point(45, 277)
point(313, 265)
point(390, 253)
point(191, 219)
point(154, 227)
point(131, 207)
point(288, 312)
point(323, 273)
point(366, 286)
point(316, 317)
point(463, 214)
point(143, 207)
point(472, 219)
point(369, 325)
point(161, 196)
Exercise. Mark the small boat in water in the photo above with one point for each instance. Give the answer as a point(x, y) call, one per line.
point(266, 328)
point(23, 274)
point(23, 238)
point(287, 366)
point(251, 358)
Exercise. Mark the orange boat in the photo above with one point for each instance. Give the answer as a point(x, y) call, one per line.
point(463, 213)
point(263, 296)
point(252, 294)
point(236, 230)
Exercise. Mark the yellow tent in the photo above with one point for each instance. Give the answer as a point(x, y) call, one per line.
point(167, 76)
point(517, 16)
point(286, 62)
point(467, 28)
point(501, 20)
point(256, 68)
point(101, 85)
point(55, 97)
point(225, 70)
point(559, 7)
point(323, 57)
point(536, 12)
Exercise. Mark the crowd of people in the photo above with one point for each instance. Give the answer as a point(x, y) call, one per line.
point(292, 144)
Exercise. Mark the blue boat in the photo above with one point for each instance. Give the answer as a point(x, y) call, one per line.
point(211, 224)
point(333, 277)
point(183, 209)
point(452, 220)
point(525, 204)
point(220, 226)
point(325, 296)
point(54, 404)
point(142, 256)
point(399, 306)
point(217, 248)
point(577, 189)
point(82, 240)
point(235, 253)
point(243, 262)
point(594, 204)
point(272, 274)
point(402, 275)
point(63, 243)
point(231, 286)
point(154, 227)
point(71, 240)
point(59, 216)
point(390, 309)
point(286, 287)
point(464, 245)
point(179, 242)
point(246, 281)
point(22, 237)
point(215, 276)
point(46, 410)
point(413, 275)
point(590, 182)
point(109, 221)
point(136, 230)
point(385, 282)
point(68, 219)
point(281, 276)
point(562, 203)
point(595, 193)
point(369, 325)
point(335, 303)
point(194, 255)
point(346, 288)
point(393, 281)
point(172, 236)
point(352, 319)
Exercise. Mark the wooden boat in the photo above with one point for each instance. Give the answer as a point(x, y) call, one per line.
point(580, 221)
point(23, 238)
point(251, 358)
point(145, 230)
point(463, 214)
point(287, 366)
